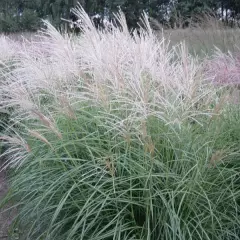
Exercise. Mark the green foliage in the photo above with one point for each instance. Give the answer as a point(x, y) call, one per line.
point(29, 20)
point(8, 24)
point(92, 184)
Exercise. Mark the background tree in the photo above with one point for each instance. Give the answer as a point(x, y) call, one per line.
point(21, 15)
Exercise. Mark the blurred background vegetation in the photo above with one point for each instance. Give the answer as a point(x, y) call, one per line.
point(25, 15)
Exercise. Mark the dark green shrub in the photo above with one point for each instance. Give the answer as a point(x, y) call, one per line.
point(29, 20)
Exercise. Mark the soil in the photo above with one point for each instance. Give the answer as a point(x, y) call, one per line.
point(6, 217)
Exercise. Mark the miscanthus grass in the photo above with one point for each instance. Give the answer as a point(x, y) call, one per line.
point(117, 136)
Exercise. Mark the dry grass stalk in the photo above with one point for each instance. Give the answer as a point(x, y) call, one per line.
point(150, 147)
point(40, 137)
point(110, 166)
point(219, 106)
point(16, 141)
point(217, 157)
point(67, 107)
point(48, 123)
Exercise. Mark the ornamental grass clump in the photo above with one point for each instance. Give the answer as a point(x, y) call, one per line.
point(224, 68)
point(9, 51)
point(114, 135)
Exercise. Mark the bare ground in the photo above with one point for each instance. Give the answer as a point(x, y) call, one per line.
point(6, 217)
